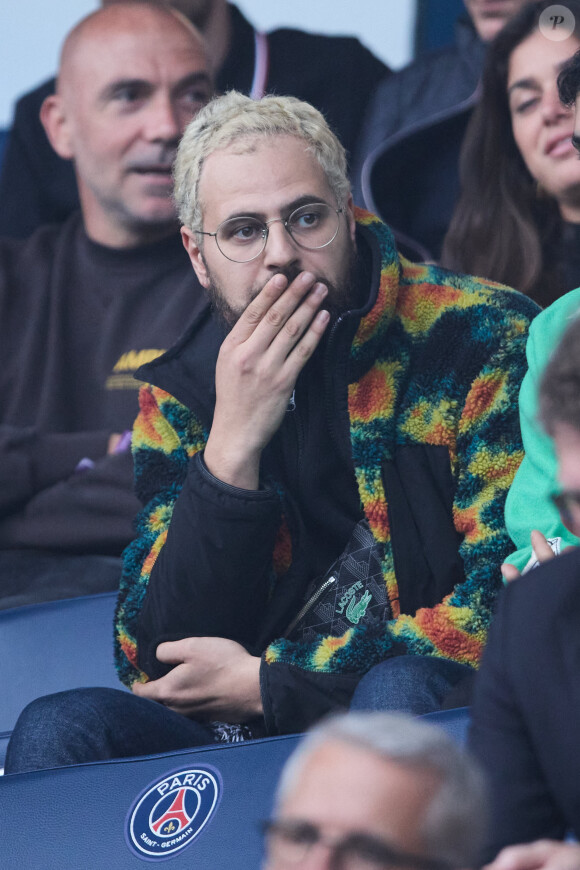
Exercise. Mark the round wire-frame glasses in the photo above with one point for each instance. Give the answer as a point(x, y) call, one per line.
point(290, 841)
point(243, 238)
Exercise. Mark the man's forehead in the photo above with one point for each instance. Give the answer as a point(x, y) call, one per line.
point(346, 788)
point(253, 144)
point(261, 174)
point(327, 765)
point(130, 47)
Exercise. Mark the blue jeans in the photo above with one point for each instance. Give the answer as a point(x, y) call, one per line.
point(95, 724)
point(410, 684)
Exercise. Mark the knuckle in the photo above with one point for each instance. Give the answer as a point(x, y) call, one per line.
point(274, 317)
point(282, 382)
point(305, 350)
point(264, 373)
point(253, 314)
point(292, 328)
point(245, 362)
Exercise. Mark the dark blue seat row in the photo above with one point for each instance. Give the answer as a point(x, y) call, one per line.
point(86, 817)
point(50, 647)
point(198, 808)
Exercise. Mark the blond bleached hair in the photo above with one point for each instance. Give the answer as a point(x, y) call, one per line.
point(232, 117)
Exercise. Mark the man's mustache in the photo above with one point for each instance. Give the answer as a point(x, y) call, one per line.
point(292, 272)
point(162, 161)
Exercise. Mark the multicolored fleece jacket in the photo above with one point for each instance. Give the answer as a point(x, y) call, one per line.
point(421, 387)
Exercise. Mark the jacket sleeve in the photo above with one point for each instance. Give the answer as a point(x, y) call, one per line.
point(528, 504)
point(485, 452)
point(33, 461)
point(201, 563)
point(522, 802)
point(48, 505)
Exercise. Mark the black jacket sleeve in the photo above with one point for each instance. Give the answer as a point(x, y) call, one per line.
point(524, 716)
point(46, 503)
point(33, 461)
point(213, 573)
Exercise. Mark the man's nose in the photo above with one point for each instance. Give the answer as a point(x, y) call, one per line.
point(163, 121)
point(320, 856)
point(281, 249)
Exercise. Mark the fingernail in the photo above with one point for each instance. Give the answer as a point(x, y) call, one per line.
point(279, 281)
point(320, 290)
point(306, 278)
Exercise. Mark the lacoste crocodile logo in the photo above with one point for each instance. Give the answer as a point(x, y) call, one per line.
point(348, 595)
point(357, 609)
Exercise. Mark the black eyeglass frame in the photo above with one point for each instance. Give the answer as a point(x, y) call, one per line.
point(385, 853)
point(266, 230)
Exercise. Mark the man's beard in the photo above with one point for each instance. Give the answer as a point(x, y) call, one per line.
point(340, 296)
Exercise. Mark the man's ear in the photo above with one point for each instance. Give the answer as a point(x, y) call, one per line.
point(191, 245)
point(350, 216)
point(54, 120)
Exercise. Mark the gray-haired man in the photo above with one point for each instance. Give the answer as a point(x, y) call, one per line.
point(376, 791)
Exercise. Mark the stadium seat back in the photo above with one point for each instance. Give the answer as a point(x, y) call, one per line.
point(196, 808)
point(50, 647)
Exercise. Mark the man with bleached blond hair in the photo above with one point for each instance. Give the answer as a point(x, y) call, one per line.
point(324, 491)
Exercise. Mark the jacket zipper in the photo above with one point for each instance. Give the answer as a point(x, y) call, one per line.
point(328, 377)
point(310, 604)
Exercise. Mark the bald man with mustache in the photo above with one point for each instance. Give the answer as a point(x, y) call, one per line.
point(84, 304)
point(337, 74)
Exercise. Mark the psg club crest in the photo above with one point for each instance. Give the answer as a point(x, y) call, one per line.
point(172, 812)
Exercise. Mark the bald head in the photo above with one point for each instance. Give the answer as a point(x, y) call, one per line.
point(132, 75)
point(118, 19)
point(200, 12)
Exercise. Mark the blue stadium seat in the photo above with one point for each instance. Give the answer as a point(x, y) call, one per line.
point(101, 816)
point(50, 647)
point(200, 808)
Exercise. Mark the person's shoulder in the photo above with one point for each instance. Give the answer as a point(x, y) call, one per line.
point(26, 265)
point(30, 102)
point(426, 72)
point(470, 291)
point(543, 593)
point(438, 59)
point(325, 41)
point(39, 244)
point(554, 319)
point(26, 269)
point(338, 51)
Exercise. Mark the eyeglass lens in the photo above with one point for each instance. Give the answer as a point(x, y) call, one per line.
point(290, 842)
point(312, 226)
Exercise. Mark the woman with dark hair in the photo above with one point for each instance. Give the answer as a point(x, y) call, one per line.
point(518, 218)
